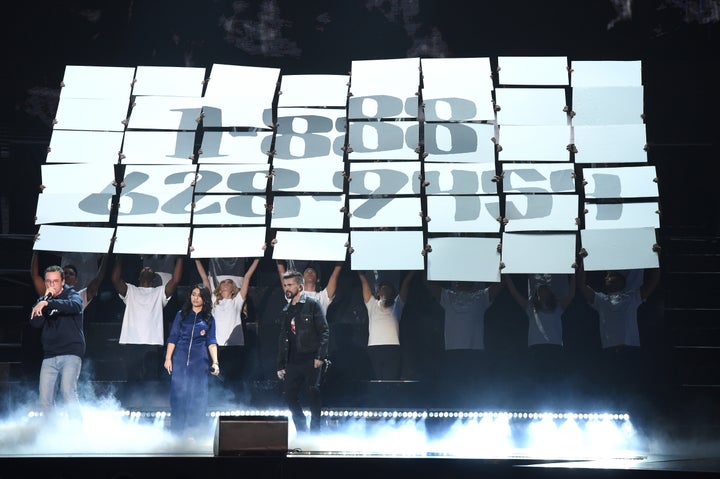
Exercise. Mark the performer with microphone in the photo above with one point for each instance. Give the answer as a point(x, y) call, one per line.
point(59, 314)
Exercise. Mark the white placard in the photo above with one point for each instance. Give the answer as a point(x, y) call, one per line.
point(385, 212)
point(610, 249)
point(538, 178)
point(621, 215)
point(97, 82)
point(541, 212)
point(228, 242)
point(607, 106)
point(308, 175)
point(156, 194)
point(74, 207)
point(165, 113)
point(524, 253)
point(463, 214)
point(384, 88)
point(237, 111)
point(242, 81)
point(457, 89)
point(235, 147)
point(243, 178)
point(385, 178)
point(77, 178)
point(73, 239)
point(103, 114)
point(459, 179)
point(587, 73)
point(384, 140)
point(387, 250)
point(169, 81)
point(310, 133)
point(534, 143)
point(158, 147)
point(77, 146)
point(460, 142)
point(463, 259)
point(152, 240)
point(610, 144)
point(533, 71)
point(308, 212)
point(313, 90)
point(531, 106)
point(305, 245)
point(229, 209)
point(622, 182)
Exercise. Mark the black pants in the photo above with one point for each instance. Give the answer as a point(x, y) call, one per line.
point(385, 362)
point(301, 378)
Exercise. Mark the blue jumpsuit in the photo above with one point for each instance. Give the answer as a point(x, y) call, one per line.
point(190, 369)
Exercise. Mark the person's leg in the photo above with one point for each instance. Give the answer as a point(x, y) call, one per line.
point(313, 379)
point(294, 381)
point(69, 366)
point(49, 373)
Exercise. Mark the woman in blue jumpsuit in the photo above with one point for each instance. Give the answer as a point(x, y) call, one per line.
point(191, 355)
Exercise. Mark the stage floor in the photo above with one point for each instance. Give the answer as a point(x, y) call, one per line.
point(118, 445)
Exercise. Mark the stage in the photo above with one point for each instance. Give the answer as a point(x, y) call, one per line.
point(118, 443)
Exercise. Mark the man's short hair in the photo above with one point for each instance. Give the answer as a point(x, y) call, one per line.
point(292, 274)
point(55, 269)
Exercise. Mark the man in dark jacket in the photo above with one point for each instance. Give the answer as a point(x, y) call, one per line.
point(59, 314)
point(304, 337)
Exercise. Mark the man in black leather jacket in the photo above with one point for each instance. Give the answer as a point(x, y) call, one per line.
point(302, 352)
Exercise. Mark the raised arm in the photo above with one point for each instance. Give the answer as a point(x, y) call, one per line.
point(650, 282)
point(176, 277)
point(587, 292)
point(203, 274)
point(246, 280)
point(281, 270)
point(94, 285)
point(118, 282)
point(37, 278)
point(517, 296)
point(572, 286)
point(333, 280)
point(405, 285)
point(366, 291)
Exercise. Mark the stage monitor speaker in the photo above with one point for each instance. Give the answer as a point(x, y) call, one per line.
point(251, 436)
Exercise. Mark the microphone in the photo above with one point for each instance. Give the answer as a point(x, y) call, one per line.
point(48, 296)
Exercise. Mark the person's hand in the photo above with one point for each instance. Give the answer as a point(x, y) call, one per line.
point(215, 369)
point(37, 309)
point(318, 363)
point(281, 374)
point(168, 365)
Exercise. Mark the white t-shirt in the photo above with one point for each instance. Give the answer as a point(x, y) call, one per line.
point(464, 318)
point(228, 321)
point(321, 297)
point(143, 318)
point(544, 327)
point(384, 323)
point(618, 318)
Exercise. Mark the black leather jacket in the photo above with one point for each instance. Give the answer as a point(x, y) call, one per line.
point(311, 330)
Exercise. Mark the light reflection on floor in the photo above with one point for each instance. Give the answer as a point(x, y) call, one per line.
point(108, 431)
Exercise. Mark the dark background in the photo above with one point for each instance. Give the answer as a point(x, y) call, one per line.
point(677, 42)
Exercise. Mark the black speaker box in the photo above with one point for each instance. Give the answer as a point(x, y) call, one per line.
point(251, 436)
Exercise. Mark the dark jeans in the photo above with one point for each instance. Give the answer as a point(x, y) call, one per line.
point(302, 378)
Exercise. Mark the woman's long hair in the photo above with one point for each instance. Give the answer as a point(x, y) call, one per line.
point(206, 312)
point(218, 294)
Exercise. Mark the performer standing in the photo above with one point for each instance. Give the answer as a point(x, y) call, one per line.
point(302, 352)
point(59, 314)
point(191, 355)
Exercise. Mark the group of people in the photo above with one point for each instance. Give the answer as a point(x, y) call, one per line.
point(208, 328)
